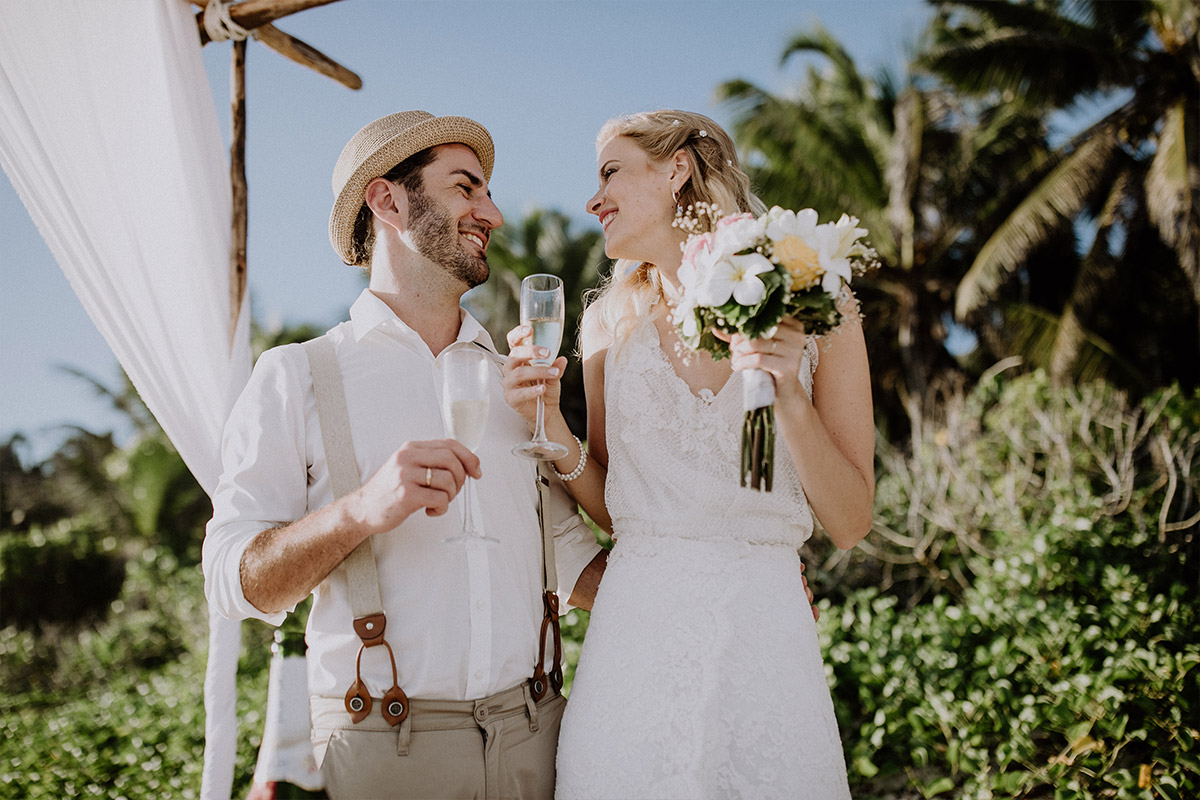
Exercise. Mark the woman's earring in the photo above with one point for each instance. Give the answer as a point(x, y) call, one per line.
point(678, 207)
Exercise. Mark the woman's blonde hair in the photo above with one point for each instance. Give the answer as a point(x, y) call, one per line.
point(716, 182)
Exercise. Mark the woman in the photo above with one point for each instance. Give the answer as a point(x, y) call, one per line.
point(701, 673)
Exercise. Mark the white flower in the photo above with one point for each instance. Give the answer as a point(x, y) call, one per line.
point(737, 233)
point(736, 276)
point(781, 224)
point(848, 234)
point(827, 241)
point(685, 317)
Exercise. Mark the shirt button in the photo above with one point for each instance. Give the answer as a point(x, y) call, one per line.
point(478, 674)
point(480, 605)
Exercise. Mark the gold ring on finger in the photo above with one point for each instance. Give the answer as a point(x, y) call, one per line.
point(428, 476)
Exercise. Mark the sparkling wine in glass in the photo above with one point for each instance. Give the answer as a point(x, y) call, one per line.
point(543, 310)
point(466, 386)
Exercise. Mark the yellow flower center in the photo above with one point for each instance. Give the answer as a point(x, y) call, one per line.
point(800, 260)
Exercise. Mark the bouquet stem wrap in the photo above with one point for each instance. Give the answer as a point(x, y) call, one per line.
point(758, 429)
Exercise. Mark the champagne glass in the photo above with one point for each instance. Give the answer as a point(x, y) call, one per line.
point(543, 310)
point(466, 386)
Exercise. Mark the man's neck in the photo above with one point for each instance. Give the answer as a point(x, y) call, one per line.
point(421, 294)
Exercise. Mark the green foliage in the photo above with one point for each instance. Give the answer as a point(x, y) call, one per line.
point(1059, 653)
point(60, 575)
point(115, 709)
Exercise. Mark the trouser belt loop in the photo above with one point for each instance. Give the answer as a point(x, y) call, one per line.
point(531, 707)
point(404, 736)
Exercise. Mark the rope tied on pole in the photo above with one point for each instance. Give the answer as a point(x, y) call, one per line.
point(219, 24)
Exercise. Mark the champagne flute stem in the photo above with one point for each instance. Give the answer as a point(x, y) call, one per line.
point(468, 514)
point(539, 433)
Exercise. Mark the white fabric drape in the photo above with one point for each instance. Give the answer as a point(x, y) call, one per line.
point(109, 135)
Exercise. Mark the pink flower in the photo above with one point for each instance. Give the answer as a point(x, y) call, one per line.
point(732, 218)
point(697, 245)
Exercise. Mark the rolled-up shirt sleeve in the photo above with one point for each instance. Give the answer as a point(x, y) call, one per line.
point(574, 542)
point(264, 476)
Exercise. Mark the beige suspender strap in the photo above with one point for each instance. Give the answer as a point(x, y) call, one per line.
point(362, 577)
point(541, 681)
point(549, 569)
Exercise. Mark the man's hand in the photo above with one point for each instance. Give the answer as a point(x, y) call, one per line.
point(809, 593)
point(420, 475)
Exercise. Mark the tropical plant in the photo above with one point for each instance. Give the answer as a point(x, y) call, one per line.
point(920, 168)
point(1133, 176)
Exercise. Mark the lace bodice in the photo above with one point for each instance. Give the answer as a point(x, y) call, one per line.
point(674, 456)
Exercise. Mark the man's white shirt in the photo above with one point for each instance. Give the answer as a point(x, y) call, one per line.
point(463, 623)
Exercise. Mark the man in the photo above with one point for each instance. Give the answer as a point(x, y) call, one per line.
point(462, 626)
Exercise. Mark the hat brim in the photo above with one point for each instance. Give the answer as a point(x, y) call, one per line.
point(425, 134)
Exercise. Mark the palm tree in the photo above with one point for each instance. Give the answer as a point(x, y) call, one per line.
point(542, 242)
point(1136, 164)
point(917, 165)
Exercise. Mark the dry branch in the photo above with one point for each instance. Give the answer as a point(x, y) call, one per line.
point(290, 47)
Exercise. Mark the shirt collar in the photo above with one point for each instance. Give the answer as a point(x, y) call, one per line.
point(369, 312)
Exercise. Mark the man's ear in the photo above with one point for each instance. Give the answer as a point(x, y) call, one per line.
point(388, 201)
point(680, 169)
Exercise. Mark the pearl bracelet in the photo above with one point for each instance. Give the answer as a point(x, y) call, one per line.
point(575, 473)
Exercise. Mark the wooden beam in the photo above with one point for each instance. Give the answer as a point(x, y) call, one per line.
point(289, 46)
point(251, 14)
point(237, 181)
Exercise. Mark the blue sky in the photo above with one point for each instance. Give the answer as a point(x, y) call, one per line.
point(542, 76)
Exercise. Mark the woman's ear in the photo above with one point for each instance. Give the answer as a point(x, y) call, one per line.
point(681, 169)
point(388, 201)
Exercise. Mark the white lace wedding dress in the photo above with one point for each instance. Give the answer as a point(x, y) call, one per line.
point(701, 673)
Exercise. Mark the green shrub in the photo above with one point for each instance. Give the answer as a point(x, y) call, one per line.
point(1055, 652)
point(66, 574)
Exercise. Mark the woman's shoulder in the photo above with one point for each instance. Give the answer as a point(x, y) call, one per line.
point(595, 333)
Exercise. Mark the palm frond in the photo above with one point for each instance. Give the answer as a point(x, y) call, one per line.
point(1042, 68)
point(1049, 207)
point(1095, 275)
point(820, 40)
point(1032, 332)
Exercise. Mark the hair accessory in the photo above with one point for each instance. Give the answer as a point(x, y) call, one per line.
point(703, 132)
point(575, 473)
point(383, 144)
point(729, 162)
point(674, 122)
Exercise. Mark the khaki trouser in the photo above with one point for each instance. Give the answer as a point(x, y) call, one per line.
point(497, 748)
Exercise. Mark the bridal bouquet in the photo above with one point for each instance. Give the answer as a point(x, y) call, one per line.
point(749, 273)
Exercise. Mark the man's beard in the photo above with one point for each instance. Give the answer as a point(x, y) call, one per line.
point(436, 237)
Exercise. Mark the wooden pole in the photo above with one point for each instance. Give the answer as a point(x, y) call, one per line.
point(237, 180)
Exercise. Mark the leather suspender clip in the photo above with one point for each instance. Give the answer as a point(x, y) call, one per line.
point(538, 683)
point(358, 700)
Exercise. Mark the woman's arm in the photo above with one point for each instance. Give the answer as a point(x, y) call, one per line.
point(832, 436)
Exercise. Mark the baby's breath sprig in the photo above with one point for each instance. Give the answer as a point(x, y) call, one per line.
point(698, 218)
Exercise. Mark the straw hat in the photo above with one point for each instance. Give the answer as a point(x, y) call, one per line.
point(382, 145)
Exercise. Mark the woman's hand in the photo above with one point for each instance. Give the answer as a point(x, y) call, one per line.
point(780, 355)
point(523, 381)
